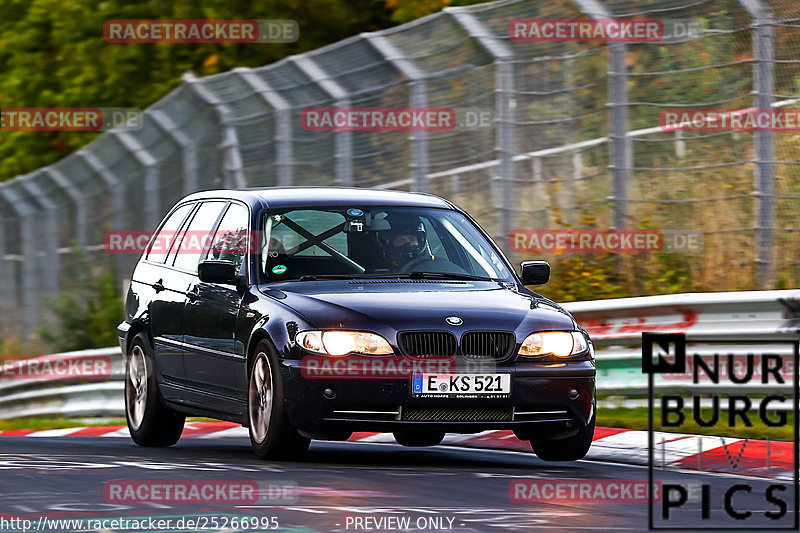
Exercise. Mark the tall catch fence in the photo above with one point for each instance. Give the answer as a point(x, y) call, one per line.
point(572, 141)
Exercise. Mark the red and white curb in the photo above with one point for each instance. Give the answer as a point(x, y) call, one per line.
point(672, 450)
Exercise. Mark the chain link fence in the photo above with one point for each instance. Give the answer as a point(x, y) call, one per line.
point(573, 141)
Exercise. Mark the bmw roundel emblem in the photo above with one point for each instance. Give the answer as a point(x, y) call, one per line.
point(454, 320)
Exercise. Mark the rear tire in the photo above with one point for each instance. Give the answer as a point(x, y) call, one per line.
point(566, 449)
point(419, 438)
point(271, 434)
point(150, 422)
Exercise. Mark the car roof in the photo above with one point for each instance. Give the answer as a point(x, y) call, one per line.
point(323, 196)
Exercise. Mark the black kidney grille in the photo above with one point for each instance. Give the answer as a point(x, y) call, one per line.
point(457, 414)
point(488, 344)
point(427, 343)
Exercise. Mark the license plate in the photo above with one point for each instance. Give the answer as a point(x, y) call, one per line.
point(461, 385)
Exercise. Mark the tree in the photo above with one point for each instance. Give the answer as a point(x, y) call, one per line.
point(53, 54)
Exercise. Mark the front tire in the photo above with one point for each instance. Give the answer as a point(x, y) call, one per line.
point(150, 422)
point(271, 434)
point(570, 448)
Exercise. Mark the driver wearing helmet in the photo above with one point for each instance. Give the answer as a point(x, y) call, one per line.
point(407, 242)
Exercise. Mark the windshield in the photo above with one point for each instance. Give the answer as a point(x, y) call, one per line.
point(357, 241)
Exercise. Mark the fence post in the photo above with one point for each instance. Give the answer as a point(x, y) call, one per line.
point(117, 191)
point(283, 127)
point(29, 291)
point(46, 234)
point(233, 168)
point(152, 207)
point(81, 223)
point(344, 141)
point(418, 98)
point(188, 148)
point(680, 145)
point(114, 186)
point(621, 155)
point(505, 105)
point(621, 152)
point(6, 273)
point(764, 174)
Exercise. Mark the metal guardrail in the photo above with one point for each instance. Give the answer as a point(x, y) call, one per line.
point(66, 397)
point(615, 326)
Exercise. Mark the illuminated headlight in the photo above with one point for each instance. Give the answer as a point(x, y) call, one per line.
point(558, 343)
point(343, 342)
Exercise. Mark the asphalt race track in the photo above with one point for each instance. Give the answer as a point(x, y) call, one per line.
point(438, 489)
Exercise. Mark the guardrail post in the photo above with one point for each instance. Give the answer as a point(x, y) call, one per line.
point(505, 106)
point(418, 98)
point(283, 123)
point(344, 141)
point(188, 146)
point(764, 175)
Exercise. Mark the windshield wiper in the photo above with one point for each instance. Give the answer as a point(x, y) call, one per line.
point(412, 275)
point(416, 274)
point(315, 277)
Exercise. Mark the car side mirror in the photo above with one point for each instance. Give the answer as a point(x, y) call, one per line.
point(217, 271)
point(535, 272)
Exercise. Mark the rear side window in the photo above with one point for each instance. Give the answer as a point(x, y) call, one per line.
point(231, 239)
point(195, 239)
point(165, 237)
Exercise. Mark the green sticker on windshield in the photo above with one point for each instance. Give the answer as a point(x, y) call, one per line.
point(279, 269)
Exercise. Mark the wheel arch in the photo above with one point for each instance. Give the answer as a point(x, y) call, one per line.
point(138, 326)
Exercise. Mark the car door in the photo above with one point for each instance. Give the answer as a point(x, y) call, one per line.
point(212, 310)
point(167, 291)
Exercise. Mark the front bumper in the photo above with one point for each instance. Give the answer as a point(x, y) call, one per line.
point(543, 399)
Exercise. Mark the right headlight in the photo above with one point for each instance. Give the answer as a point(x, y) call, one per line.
point(557, 343)
point(340, 343)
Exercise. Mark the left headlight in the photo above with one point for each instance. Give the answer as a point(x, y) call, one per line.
point(344, 342)
point(558, 343)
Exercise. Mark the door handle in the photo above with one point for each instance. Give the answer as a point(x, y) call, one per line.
point(193, 295)
point(159, 286)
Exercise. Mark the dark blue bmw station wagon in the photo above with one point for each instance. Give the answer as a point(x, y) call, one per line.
point(311, 313)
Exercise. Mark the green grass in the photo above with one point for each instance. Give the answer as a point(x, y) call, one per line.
point(637, 418)
point(41, 424)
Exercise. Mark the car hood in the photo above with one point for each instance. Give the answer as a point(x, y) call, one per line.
point(400, 305)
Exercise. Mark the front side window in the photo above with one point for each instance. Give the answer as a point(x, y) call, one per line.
point(231, 238)
point(369, 241)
